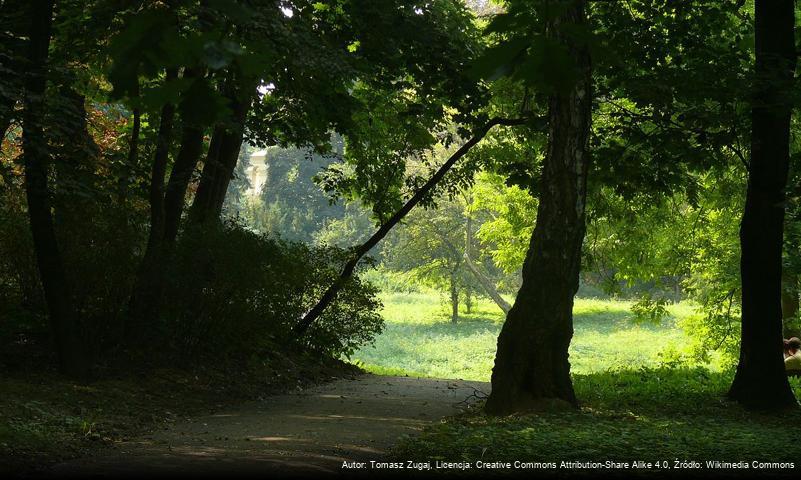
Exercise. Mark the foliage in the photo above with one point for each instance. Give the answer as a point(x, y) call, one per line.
point(508, 229)
point(292, 206)
point(244, 300)
point(430, 245)
point(648, 309)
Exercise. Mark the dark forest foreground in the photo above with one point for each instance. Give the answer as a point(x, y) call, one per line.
point(313, 431)
point(46, 419)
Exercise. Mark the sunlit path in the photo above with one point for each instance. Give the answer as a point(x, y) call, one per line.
point(310, 431)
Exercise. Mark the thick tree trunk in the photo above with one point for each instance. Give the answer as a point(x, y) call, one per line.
point(532, 370)
point(454, 298)
point(218, 169)
point(77, 156)
point(54, 281)
point(146, 298)
point(761, 381)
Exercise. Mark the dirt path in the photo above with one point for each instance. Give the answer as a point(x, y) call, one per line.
point(310, 431)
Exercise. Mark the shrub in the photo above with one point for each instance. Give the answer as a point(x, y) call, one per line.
point(232, 292)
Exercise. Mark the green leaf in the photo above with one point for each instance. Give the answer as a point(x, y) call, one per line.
point(500, 60)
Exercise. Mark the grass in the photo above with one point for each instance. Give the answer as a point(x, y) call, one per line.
point(633, 406)
point(419, 338)
point(652, 415)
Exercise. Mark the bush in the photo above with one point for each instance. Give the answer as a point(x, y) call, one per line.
point(99, 245)
point(232, 293)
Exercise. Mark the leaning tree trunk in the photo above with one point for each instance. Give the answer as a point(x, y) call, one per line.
point(531, 366)
point(761, 381)
point(486, 283)
point(361, 250)
point(51, 269)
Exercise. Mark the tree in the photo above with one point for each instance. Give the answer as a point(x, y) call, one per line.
point(283, 76)
point(422, 194)
point(430, 247)
point(760, 380)
point(37, 158)
point(531, 364)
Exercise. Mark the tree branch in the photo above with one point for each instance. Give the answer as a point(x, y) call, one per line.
point(347, 271)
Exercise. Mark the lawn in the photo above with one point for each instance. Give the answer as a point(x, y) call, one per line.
point(633, 407)
point(419, 338)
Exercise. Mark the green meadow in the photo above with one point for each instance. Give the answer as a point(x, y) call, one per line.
point(419, 338)
point(634, 405)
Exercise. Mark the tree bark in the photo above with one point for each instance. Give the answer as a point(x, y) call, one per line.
point(454, 298)
point(77, 156)
point(218, 169)
point(531, 369)
point(175, 194)
point(487, 285)
point(36, 158)
point(790, 304)
point(760, 381)
point(133, 144)
point(145, 301)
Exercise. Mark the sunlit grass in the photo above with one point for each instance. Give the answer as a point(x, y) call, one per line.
point(420, 339)
point(633, 406)
point(660, 414)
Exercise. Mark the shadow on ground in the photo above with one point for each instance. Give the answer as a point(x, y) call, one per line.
point(310, 431)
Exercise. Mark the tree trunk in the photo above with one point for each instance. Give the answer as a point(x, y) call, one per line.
point(487, 285)
point(146, 298)
point(760, 381)
point(6, 117)
point(454, 298)
point(532, 370)
point(790, 304)
point(175, 195)
point(54, 281)
point(78, 156)
point(133, 145)
point(218, 169)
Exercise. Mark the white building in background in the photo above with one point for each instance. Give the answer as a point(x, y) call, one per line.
point(256, 173)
